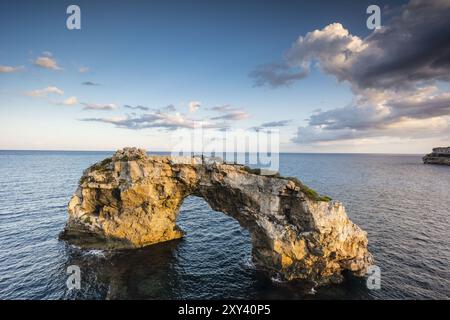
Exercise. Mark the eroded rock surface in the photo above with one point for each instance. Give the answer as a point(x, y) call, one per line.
point(132, 200)
point(440, 155)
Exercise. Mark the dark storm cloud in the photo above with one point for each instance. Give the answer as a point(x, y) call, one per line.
point(394, 74)
point(413, 47)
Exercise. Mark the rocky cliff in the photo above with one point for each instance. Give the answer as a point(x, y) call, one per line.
point(132, 200)
point(439, 155)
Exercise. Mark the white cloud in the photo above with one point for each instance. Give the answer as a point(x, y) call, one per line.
point(45, 91)
point(84, 69)
point(69, 101)
point(10, 69)
point(47, 61)
point(194, 106)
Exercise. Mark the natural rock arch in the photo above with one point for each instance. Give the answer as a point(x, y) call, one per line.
point(132, 200)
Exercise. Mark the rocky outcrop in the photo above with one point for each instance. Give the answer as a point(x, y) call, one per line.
point(438, 156)
point(132, 200)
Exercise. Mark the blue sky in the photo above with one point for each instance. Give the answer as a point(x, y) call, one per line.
point(160, 53)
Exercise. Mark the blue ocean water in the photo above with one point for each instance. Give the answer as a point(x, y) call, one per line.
point(403, 204)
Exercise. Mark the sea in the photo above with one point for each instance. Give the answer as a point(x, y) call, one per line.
point(403, 205)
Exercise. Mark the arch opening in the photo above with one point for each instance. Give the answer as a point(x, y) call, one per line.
point(214, 244)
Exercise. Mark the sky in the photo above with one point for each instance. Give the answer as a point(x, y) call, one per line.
point(138, 72)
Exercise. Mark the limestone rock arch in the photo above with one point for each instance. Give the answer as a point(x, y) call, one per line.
point(132, 200)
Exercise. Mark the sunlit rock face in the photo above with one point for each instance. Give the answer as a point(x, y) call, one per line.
point(132, 200)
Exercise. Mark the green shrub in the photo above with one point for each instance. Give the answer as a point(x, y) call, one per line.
point(310, 193)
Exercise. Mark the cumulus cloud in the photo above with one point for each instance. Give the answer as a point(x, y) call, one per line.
point(71, 101)
point(45, 91)
point(194, 106)
point(11, 69)
point(52, 90)
point(47, 61)
point(96, 106)
point(393, 73)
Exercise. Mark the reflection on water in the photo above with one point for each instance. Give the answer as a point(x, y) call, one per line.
point(402, 203)
point(140, 274)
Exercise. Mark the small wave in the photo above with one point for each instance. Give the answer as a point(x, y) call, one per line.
point(248, 263)
point(277, 279)
point(312, 291)
point(96, 253)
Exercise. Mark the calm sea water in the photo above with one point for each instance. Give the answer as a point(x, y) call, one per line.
point(402, 204)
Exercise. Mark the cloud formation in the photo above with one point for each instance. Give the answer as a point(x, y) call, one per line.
point(276, 74)
point(394, 74)
point(52, 90)
point(273, 124)
point(47, 61)
point(136, 107)
point(90, 83)
point(229, 113)
point(233, 115)
point(10, 69)
point(45, 91)
point(222, 108)
point(71, 101)
point(170, 108)
point(194, 106)
point(168, 119)
point(157, 119)
point(83, 69)
point(96, 106)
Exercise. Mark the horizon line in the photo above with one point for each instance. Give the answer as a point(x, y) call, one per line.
point(164, 151)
